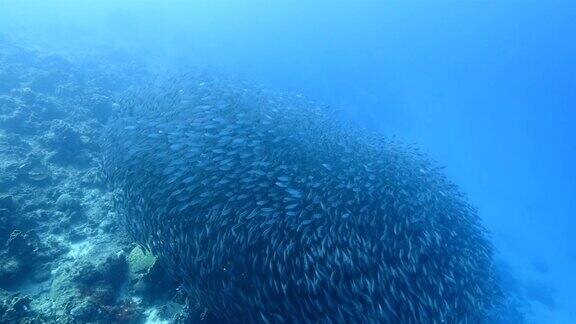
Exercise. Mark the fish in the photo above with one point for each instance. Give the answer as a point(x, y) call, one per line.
point(313, 218)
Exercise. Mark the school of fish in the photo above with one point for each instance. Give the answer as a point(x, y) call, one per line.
point(270, 209)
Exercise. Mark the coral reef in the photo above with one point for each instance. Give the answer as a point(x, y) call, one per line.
point(63, 258)
point(16, 308)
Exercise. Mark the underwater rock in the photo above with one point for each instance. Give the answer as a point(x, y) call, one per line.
point(85, 311)
point(63, 136)
point(12, 217)
point(101, 107)
point(38, 176)
point(98, 285)
point(77, 235)
point(66, 144)
point(65, 203)
point(48, 109)
point(270, 209)
point(104, 295)
point(127, 312)
point(85, 273)
point(22, 245)
point(171, 310)
point(139, 262)
point(93, 292)
point(27, 256)
point(147, 277)
point(20, 121)
point(16, 308)
point(112, 271)
point(34, 171)
point(10, 270)
point(41, 273)
point(107, 225)
point(63, 224)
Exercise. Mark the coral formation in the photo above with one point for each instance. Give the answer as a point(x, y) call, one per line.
point(62, 256)
point(15, 308)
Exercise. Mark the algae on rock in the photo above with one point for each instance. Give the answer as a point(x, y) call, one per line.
point(139, 262)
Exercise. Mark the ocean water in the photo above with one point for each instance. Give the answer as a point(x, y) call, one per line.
point(487, 89)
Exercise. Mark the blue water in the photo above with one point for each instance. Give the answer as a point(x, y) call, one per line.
point(487, 88)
